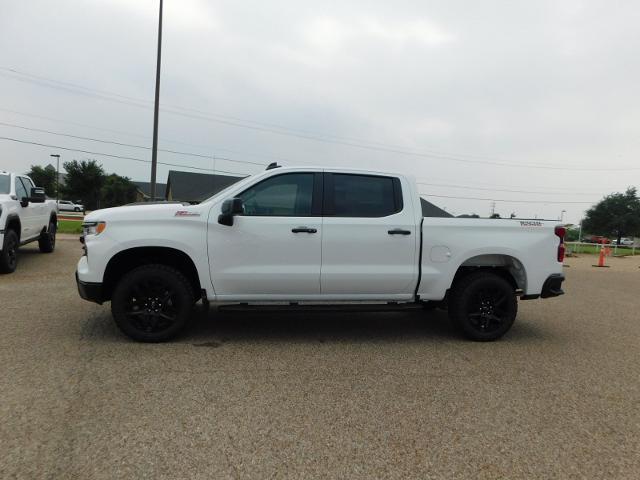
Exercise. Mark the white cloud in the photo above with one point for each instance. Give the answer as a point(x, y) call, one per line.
point(421, 32)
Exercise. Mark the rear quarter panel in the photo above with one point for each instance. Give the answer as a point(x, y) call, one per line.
point(447, 243)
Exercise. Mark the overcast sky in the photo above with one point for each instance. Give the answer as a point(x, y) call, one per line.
point(475, 99)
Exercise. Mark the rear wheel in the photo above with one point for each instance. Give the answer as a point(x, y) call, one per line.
point(47, 240)
point(483, 306)
point(9, 253)
point(152, 303)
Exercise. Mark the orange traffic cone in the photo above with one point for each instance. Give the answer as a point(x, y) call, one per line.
point(601, 259)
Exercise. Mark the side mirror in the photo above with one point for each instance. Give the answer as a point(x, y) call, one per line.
point(230, 208)
point(37, 195)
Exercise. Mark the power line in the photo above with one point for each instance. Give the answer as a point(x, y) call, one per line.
point(74, 88)
point(567, 189)
point(104, 93)
point(504, 200)
point(239, 174)
point(168, 140)
point(440, 185)
point(467, 187)
point(123, 157)
point(91, 139)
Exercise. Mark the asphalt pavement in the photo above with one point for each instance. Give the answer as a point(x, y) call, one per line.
point(319, 395)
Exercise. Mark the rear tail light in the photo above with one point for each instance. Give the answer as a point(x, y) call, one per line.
point(560, 233)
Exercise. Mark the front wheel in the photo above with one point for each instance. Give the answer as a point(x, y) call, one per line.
point(483, 306)
point(152, 303)
point(9, 253)
point(76, 209)
point(47, 240)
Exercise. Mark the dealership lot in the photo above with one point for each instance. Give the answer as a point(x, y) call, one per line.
point(305, 395)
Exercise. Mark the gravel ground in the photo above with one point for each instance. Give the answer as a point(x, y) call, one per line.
point(299, 395)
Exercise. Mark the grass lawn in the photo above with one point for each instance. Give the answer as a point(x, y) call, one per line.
point(69, 226)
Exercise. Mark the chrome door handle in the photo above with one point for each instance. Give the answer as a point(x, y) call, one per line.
point(399, 231)
point(303, 230)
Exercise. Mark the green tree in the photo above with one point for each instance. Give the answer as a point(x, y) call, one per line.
point(573, 234)
point(84, 181)
point(615, 215)
point(44, 177)
point(117, 191)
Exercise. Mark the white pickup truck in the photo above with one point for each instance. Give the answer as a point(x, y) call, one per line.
point(306, 236)
point(25, 216)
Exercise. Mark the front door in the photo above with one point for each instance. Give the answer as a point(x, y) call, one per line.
point(273, 250)
point(369, 239)
point(29, 214)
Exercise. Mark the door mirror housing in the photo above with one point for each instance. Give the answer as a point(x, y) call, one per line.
point(230, 208)
point(37, 195)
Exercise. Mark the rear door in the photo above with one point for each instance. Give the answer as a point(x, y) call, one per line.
point(272, 251)
point(369, 238)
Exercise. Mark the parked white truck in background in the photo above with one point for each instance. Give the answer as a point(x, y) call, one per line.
point(314, 235)
point(25, 216)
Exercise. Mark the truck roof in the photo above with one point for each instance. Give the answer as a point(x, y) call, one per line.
point(342, 169)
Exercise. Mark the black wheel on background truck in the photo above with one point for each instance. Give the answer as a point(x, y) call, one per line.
point(483, 306)
point(152, 303)
point(9, 253)
point(47, 240)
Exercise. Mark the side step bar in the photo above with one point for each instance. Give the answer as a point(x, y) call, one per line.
point(347, 307)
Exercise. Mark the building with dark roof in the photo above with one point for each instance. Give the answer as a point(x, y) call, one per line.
point(430, 210)
point(195, 187)
point(143, 193)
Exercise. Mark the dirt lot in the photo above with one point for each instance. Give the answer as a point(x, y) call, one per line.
point(393, 395)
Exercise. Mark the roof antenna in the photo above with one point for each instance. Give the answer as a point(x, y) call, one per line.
point(273, 165)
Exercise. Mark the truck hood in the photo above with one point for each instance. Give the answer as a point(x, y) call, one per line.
point(145, 212)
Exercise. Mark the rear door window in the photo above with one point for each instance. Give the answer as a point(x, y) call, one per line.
point(349, 195)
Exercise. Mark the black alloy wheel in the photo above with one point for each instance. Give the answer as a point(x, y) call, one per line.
point(483, 305)
point(488, 312)
point(47, 240)
point(152, 303)
point(9, 254)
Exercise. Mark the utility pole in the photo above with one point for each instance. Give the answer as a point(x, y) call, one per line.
point(156, 107)
point(57, 177)
point(493, 208)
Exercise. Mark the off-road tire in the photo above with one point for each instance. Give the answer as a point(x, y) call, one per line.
point(47, 240)
point(483, 306)
point(9, 253)
point(144, 295)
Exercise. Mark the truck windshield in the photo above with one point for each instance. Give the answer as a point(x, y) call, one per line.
point(224, 190)
point(5, 184)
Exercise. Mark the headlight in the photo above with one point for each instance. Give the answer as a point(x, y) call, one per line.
point(93, 228)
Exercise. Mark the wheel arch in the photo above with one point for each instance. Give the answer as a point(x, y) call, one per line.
point(13, 223)
point(126, 260)
point(507, 266)
point(52, 217)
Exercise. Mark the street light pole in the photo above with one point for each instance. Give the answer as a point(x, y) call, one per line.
point(154, 150)
point(57, 177)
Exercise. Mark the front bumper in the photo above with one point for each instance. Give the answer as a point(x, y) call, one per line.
point(90, 291)
point(553, 286)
